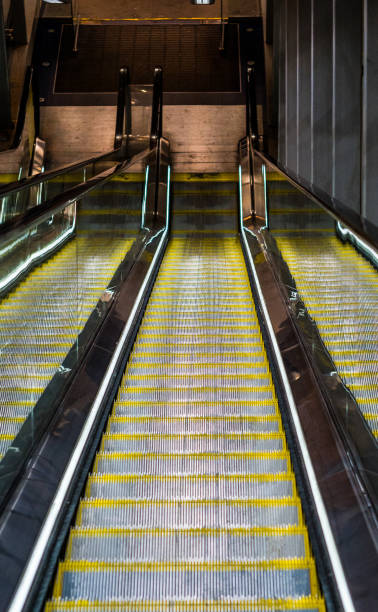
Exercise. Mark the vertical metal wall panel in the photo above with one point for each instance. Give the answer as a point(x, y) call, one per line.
point(282, 82)
point(304, 89)
point(370, 115)
point(322, 95)
point(291, 120)
point(347, 44)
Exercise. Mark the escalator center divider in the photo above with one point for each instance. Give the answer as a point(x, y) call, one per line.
point(323, 565)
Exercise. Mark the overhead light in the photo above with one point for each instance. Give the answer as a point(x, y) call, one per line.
point(203, 1)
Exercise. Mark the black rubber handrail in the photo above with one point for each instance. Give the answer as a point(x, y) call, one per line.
point(38, 179)
point(38, 214)
point(252, 131)
point(125, 120)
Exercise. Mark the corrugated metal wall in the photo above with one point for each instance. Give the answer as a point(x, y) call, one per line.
point(326, 77)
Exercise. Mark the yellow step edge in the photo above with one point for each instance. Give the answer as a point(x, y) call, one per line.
point(250, 389)
point(259, 456)
point(11, 419)
point(126, 478)
point(187, 419)
point(312, 603)
point(85, 532)
point(244, 436)
point(209, 344)
point(198, 364)
point(260, 353)
point(193, 376)
point(124, 503)
point(249, 402)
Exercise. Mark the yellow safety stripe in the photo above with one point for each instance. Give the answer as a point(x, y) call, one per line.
point(312, 603)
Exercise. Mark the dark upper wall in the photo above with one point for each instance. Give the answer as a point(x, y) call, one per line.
point(326, 87)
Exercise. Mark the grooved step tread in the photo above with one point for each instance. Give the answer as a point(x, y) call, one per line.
point(41, 318)
point(339, 288)
point(192, 499)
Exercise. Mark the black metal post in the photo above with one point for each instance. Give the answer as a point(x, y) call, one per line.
point(252, 126)
point(5, 110)
point(157, 106)
point(16, 23)
point(123, 74)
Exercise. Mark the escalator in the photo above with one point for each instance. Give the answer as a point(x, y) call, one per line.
point(42, 319)
point(66, 289)
point(167, 444)
point(192, 498)
point(340, 289)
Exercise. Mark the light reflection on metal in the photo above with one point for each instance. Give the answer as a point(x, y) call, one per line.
point(10, 278)
point(203, 1)
point(145, 196)
point(307, 460)
point(367, 250)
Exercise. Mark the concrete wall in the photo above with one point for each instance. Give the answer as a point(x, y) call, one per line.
point(202, 138)
point(326, 68)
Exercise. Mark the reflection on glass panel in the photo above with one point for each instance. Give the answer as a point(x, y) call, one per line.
point(49, 314)
point(337, 284)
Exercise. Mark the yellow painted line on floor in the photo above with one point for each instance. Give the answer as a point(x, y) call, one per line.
point(221, 177)
point(142, 19)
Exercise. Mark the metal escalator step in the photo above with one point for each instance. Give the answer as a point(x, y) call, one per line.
point(204, 513)
point(251, 381)
point(200, 369)
point(225, 424)
point(161, 357)
point(192, 394)
point(171, 487)
point(201, 348)
point(175, 580)
point(196, 407)
point(200, 337)
point(192, 442)
point(178, 545)
point(192, 463)
point(206, 328)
